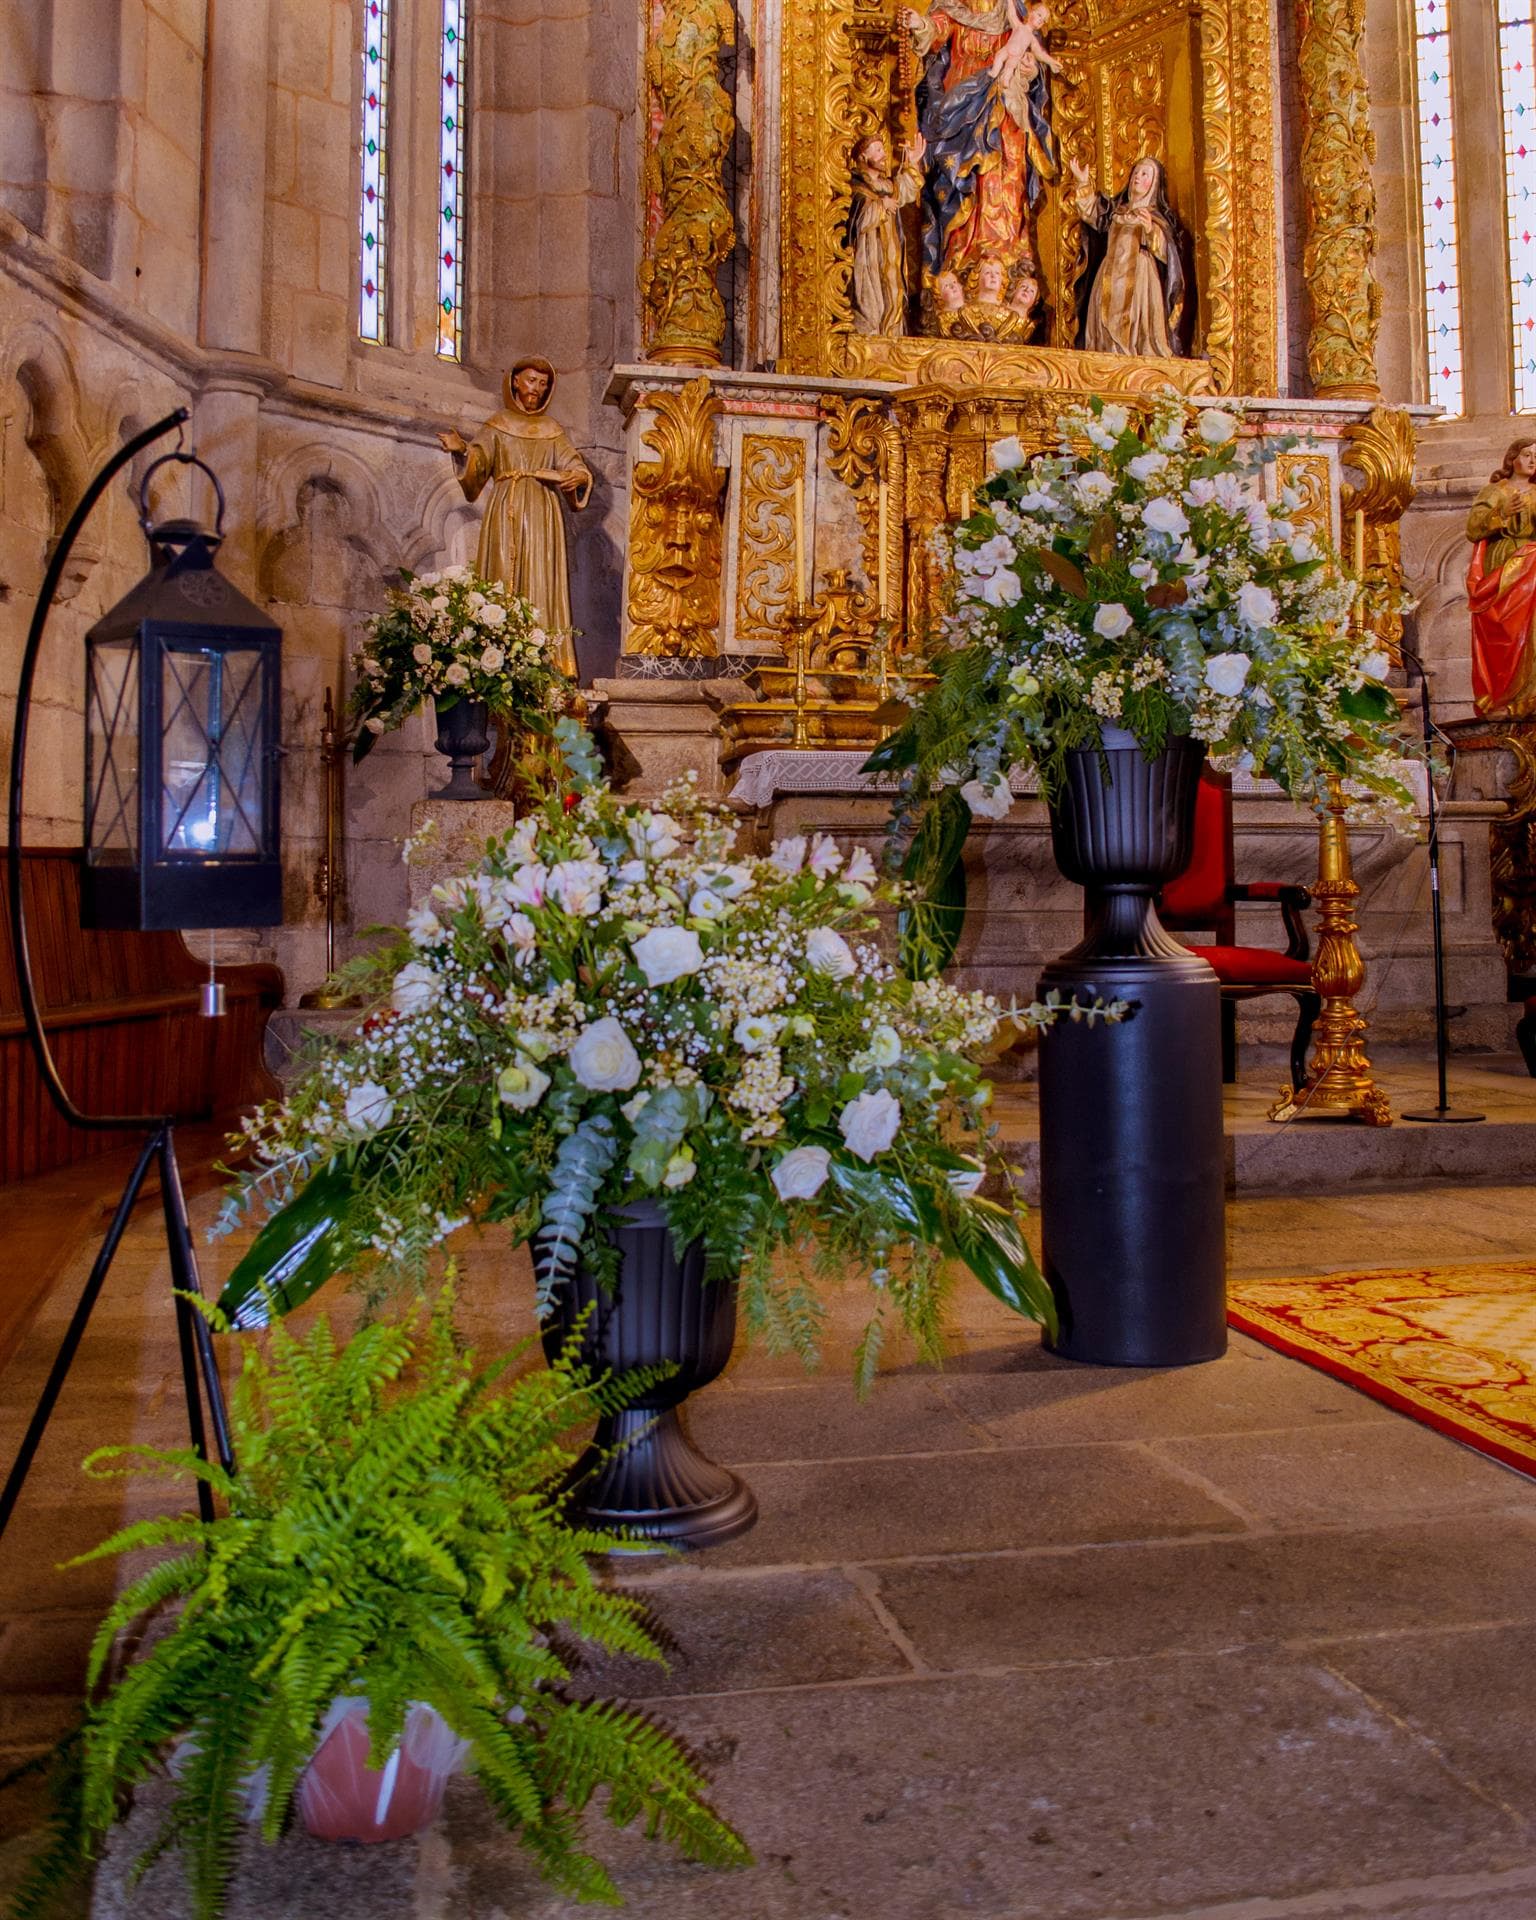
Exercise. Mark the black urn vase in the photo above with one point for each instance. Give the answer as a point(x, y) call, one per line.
point(1132, 1154)
point(642, 1473)
point(463, 735)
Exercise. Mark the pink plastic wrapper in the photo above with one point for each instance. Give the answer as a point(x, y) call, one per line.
point(341, 1797)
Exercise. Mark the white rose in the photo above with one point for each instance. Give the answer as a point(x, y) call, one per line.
point(1147, 466)
point(369, 1107)
point(988, 803)
point(1112, 620)
point(663, 836)
point(1093, 489)
point(802, 1173)
point(457, 674)
point(1003, 588)
point(1115, 420)
point(1376, 666)
point(578, 886)
point(1171, 435)
point(1256, 606)
point(667, 953)
point(828, 952)
point(1226, 673)
point(1007, 455)
point(414, 989)
point(788, 855)
point(493, 616)
point(424, 927)
point(1303, 548)
point(884, 1048)
point(421, 653)
point(521, 1085)
point(492, 660)
point(1215, 427)
point(1166, 516)
point(439, 603)
point(870, 1123)
point(603, 1060)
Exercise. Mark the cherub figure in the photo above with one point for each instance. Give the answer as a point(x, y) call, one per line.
point(1023, 53)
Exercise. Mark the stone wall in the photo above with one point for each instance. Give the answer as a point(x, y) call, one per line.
point(178, 194)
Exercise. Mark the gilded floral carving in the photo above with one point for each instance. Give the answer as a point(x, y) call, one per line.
point(770, 464)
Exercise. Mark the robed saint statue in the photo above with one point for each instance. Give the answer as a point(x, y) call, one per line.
point(529, 464)
point(1132, 286)
point(1501, 586)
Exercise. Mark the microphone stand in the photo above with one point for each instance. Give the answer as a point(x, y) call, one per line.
point(1442, 1113)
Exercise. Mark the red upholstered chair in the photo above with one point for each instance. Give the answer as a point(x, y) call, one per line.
point(1205, 896)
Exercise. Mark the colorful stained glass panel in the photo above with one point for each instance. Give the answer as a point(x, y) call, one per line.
point(1517, 64)
point(450, 261)
point(373, 207)
point(1437, 202)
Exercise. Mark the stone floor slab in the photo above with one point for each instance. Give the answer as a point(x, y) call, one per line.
point(846, 1511)
point(1363, 1472)
point(1117, 1603)
point(824, 1420)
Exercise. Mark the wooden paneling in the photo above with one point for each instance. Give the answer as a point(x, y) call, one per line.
point(123, 1020)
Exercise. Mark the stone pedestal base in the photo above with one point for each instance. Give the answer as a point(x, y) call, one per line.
point(463, 827)
point(659, 729)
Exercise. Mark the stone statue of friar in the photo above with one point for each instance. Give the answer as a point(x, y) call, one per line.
point(529, 462)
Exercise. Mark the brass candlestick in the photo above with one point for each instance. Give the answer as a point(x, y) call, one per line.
point(1339, 1086)
point(800, 619)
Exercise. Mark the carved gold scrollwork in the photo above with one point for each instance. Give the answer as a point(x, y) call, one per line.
point(675, 531)
point(1337, 154)
point(1311, 476)
point(765, 556)
point(690, 230)
point(1382, 451)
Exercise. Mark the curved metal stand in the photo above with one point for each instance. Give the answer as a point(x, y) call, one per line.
point(159, 1149)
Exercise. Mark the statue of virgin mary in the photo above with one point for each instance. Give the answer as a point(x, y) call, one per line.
point(529, 463)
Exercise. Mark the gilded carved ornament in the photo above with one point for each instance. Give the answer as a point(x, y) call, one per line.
point(770, 465)
point(690, 228)
point(675, 530)
point(1337, 154)
point(1381, 451)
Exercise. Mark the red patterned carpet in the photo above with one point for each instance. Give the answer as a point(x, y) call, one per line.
point(1455, 1347)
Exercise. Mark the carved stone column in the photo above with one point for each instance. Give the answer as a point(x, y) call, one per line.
point(689, 227)
point(1338, 149)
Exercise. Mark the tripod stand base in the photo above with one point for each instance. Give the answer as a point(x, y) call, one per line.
point(1448, 1116)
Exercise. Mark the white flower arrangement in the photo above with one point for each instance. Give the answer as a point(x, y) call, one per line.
point(1138, 578)
point(614, 1004)
point(449, 636)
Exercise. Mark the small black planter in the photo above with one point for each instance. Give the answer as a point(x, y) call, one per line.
point(463, 735)
point(1132, 1155)
point(657, 1484)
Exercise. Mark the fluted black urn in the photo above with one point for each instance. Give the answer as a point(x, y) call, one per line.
point(642, 1473)
point(1132, 1153)
point(463, 736)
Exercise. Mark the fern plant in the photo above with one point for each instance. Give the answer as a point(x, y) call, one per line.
point(394, 1531)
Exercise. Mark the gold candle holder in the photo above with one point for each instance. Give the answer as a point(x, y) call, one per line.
point(800, 619)
point(1339, 1086)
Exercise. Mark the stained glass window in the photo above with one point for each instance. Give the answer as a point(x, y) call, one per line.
point(373, 217)
point(1437, 202)
point(450, 262)
point(1517, 62)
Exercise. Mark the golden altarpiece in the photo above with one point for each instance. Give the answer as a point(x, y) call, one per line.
point(790, 460)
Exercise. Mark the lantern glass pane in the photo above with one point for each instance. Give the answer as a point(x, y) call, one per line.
point(112, 750)
point(211, 757)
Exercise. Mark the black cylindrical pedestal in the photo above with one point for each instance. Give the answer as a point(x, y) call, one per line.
point(642, 1474)
point(1132, 1156)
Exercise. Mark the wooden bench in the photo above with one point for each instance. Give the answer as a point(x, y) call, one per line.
point(123, 1018)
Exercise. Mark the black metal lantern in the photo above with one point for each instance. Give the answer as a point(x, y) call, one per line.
point(183, 702)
